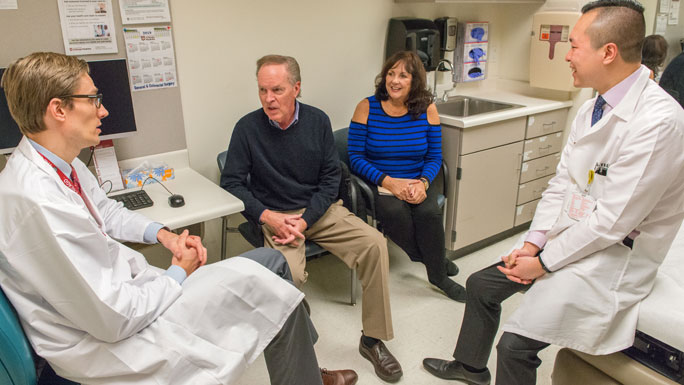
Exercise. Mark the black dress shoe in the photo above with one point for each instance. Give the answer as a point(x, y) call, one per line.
point(386, 366)
point(454, 370)
point(451, 268)
point(452, 289)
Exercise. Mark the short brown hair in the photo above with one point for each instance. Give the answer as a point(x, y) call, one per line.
point(654, 52)
point(620, 22)
point(419, 97)
point(32, 81)
point(290, 63)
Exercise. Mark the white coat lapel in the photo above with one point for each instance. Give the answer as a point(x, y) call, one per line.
point(32, 154)
point(584, 155)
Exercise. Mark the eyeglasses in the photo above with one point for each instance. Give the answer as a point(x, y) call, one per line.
point(96, 97)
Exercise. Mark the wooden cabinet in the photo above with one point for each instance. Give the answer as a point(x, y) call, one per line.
point(501, 170)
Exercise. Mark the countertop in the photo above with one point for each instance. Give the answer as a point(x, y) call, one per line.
point(531, 105)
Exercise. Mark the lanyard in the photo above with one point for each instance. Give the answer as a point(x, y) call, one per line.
point(75, 186)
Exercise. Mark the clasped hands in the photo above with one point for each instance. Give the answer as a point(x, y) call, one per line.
point(409, 190)
point(522, 265)
point(288, 229)
point(188, 251)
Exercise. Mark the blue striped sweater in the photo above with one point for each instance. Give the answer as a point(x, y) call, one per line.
point(400, 147)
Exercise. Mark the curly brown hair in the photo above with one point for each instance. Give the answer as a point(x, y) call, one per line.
point(419, 97)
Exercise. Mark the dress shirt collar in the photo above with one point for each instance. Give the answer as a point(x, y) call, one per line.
point(614, 95)
point(294, 120)
point(57, 161)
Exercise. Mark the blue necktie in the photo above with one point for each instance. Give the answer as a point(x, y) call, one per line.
point(598, 110)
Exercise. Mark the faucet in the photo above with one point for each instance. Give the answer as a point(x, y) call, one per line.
point(440, 67)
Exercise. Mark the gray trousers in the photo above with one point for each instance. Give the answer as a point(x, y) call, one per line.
point(290, 357)
point(517, 359)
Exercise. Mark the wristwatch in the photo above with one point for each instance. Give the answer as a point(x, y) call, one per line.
point(425, 183)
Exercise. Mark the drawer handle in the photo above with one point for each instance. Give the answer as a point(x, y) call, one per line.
point(548, 125)
point(544, 150)
point(542, 171)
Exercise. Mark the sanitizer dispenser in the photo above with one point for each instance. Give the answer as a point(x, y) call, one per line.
point(549, 44)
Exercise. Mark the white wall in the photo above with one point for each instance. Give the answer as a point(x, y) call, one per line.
point(339, 45)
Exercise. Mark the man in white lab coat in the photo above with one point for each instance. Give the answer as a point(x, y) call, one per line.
point(94, 308)
point(602, 227)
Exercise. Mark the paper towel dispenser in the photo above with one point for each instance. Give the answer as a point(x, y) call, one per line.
point(418, 35)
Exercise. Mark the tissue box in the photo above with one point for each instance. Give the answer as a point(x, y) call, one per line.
point(137, 176)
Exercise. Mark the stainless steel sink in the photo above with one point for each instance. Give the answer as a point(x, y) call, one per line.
point(464, 106)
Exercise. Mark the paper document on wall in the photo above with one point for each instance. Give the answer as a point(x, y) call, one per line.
point(144, 11)
point(661, 24)
point(664, 6)
point(673, 19)
point(151, 59)
point(8, 4)
point(87, 27)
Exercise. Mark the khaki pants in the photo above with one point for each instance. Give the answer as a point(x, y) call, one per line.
point(360, 247)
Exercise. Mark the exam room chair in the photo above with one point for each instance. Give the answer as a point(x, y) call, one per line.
point(16, 356)
point(366, 206)
point(252, 232)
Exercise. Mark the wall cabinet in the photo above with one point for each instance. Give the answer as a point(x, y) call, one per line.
point(502, 169)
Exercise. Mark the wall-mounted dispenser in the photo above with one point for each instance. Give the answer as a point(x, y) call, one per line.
point(549, 44)
point(447, 32)
point(418, 35)
point(470, 55)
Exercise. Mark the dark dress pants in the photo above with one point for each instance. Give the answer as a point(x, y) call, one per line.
point(517, 359)
point(290, 356)
point(417, 229)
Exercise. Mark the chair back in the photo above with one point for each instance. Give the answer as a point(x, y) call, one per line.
point(221, 160)
point(341, 144)
point(16, 359)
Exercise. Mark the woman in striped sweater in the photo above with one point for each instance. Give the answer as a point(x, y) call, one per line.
point(395, 142)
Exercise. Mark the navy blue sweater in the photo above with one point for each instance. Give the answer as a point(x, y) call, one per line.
point(288, 169)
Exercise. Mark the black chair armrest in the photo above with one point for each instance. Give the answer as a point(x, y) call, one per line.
point(252, 233)
point(367, 194)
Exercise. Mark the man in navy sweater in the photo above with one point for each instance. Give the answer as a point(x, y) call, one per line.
point(282, 163)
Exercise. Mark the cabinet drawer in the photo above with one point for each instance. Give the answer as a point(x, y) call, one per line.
point(537, 168)
point(546, 123)
point(486, 136)
point(533, 189)
point(525, 212)
point(542, 146)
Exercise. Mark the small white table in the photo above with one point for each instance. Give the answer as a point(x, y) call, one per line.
point(204, 200)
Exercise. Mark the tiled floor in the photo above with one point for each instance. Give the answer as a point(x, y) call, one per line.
point(426, 323)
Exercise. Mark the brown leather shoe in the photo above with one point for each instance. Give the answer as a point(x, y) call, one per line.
point(386, 366)
point(338, 377)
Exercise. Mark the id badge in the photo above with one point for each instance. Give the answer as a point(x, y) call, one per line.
point(580, 205)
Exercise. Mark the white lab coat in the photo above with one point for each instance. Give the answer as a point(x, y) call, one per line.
point(590, 302)
point(99, 313)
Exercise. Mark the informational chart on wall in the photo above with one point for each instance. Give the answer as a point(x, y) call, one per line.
point(151, 59)
point(87, 26)
point(144, 11)
point(8, 4)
